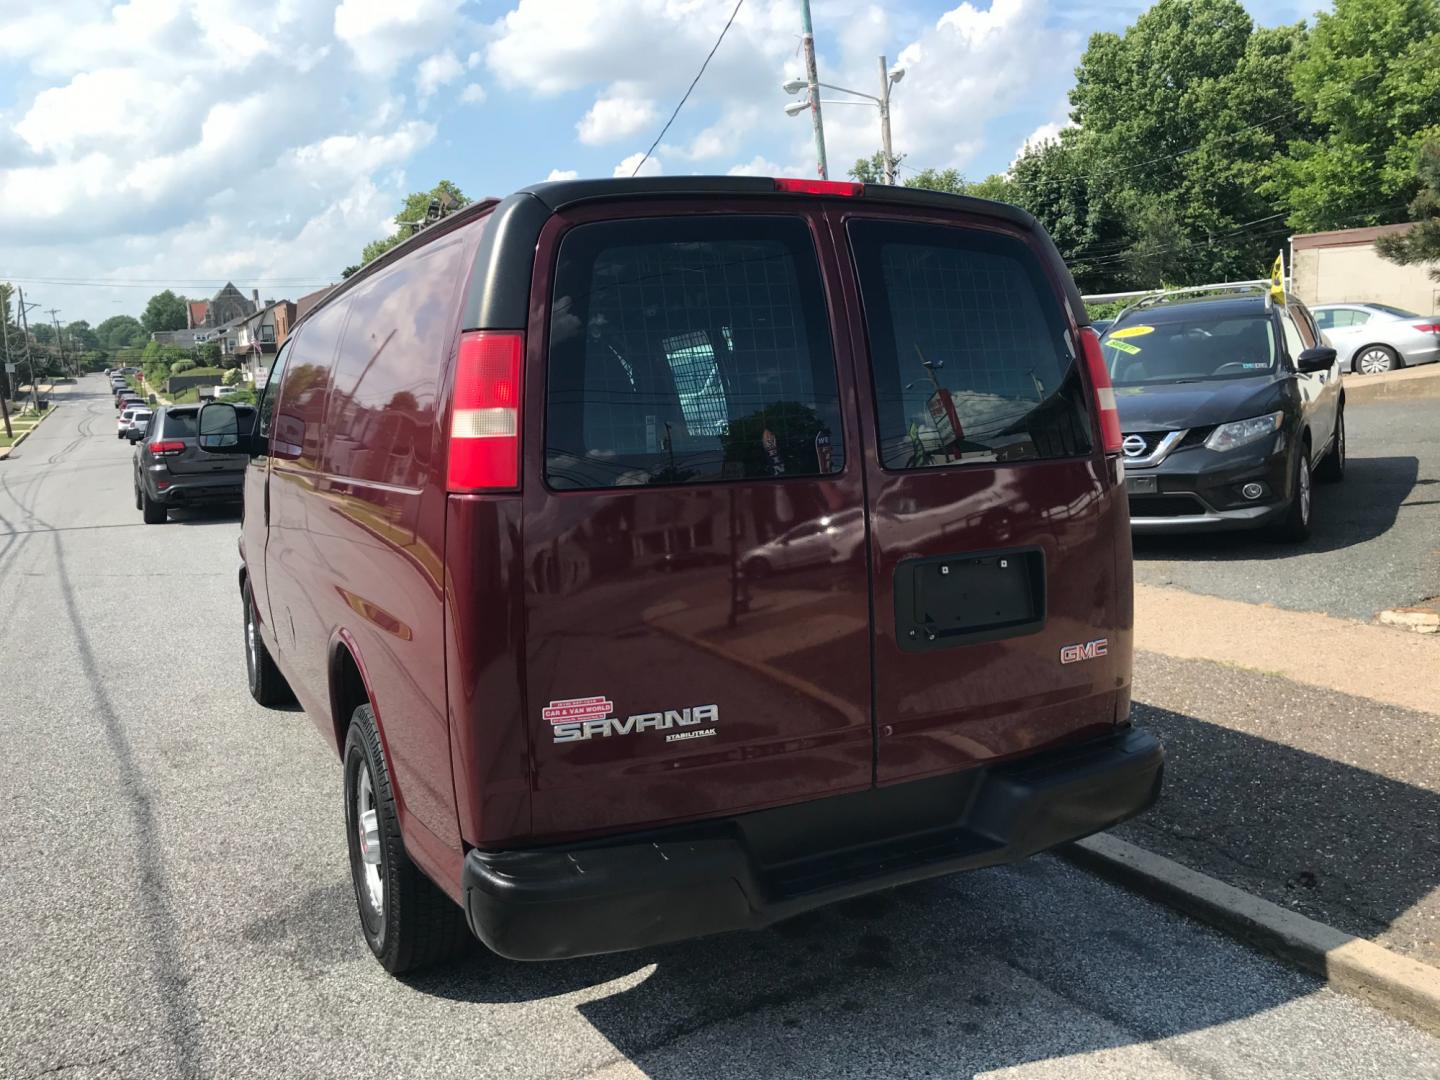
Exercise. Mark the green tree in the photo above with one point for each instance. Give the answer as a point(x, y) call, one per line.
point(1180, 117)
point(871, 170)
point(179, 367)
point(1055, 180)
point(1422, 243)
point(43, 333)
point(1369, 80)
point(165, 311)
point(79, 336)
point(118, 331)
point(413, 214)
point(232, 377)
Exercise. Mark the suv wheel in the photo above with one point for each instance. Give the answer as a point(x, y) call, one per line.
point(1332, 469)
point(1376, 359)
point(1295, 526)
point(267, 685)
point(153, 512)
point(408, 922)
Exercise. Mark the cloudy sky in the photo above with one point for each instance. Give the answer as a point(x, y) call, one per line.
point(185, 142)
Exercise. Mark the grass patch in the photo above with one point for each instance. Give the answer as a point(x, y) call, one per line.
point(20, 425)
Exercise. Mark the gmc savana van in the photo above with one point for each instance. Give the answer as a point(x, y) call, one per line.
point(670, 556)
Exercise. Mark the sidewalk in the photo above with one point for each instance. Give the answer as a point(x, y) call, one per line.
point(1303, 761)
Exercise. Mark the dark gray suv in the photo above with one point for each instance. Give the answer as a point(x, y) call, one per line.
point(170, 470)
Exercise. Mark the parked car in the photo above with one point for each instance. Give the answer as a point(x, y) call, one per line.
point(827, 539)
point(128, 401)
point(453, 548)
point(130, 418)
point(1374, 338)
point(171, 471)
point(222, 391)
point(1228, 404)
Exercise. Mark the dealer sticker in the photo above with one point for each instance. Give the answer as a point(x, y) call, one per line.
point(1131, 331)
point(582, 719)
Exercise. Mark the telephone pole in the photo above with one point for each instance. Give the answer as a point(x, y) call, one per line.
point(5, 375)
point(29, 360)
point(54, 314)
point(812, 77)
point(885, 147)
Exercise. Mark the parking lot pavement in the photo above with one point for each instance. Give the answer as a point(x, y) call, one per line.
point(176, 899)
point(1322, 802)
point(1376, 540)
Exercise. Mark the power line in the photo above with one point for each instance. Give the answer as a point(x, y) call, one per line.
point(693, 82)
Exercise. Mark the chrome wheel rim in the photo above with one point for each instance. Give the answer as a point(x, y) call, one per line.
point(1374, 361)
point(367, 833)
point(1304, 493)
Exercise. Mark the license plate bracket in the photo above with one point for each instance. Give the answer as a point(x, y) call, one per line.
point(1140, 485)
point(969, 597)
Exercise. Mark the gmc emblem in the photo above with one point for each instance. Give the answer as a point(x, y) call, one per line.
point(1073, 654)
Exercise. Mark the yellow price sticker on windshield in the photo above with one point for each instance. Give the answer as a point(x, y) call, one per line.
point(1124, 346)
point(1131, 331)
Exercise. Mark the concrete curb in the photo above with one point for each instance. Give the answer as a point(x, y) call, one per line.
point(1396, 984)
point(1419, 382)
point(5, 452)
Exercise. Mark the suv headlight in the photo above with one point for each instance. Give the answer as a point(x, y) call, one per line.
point(1241, 432)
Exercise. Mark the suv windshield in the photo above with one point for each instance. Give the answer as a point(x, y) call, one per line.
point(1198, 348)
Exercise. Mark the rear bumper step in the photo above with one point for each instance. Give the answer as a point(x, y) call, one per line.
point(645, 889)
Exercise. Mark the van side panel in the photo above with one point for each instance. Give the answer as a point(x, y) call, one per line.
point(293, 563)
point(379, 513)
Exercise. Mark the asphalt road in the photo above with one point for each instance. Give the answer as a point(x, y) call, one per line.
point(175, 897)
point(1376, 538)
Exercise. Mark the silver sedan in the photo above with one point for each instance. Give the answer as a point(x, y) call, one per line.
point(1371, 338)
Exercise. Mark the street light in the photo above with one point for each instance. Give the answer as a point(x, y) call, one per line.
point(888, 78)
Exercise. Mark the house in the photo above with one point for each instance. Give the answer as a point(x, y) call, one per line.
point(188, 338)
point(1344, 267)
point(309, 300)
point(195, 311)
point(257, 337)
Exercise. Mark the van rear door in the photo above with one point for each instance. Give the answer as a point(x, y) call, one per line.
point(697, 625)
point(998, 532)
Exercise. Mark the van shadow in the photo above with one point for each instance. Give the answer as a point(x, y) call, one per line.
point(1340, 844)
point(1361, 507)
point(1004, 967)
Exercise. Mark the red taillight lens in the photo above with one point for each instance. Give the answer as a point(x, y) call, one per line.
point(800, 186)
point(1428, 327)
point(1104, 393)
point(167, 448)
point(485, 421)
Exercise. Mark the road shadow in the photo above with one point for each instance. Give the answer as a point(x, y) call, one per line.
point(1361, 507)
point(1337, 843)
point(206, 515)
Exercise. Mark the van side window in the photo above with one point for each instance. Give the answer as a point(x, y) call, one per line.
point(968, 348)
point(271, 392)
point(688, 350)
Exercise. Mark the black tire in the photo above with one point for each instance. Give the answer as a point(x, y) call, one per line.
point(138, 504)
point(154, 513)
point(1332, 469)
point(1384, 359)
point(267, 686)
point(1294, 527)
point(757, 569)
point(414, 925)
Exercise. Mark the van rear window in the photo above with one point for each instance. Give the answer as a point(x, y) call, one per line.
point(687, 350)
point(968, 348)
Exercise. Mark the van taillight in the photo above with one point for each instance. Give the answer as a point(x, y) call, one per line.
point(1104, 393)
point(167, 448)
point(485, 422)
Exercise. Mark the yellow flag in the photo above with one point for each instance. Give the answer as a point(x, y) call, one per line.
point(1277, 279)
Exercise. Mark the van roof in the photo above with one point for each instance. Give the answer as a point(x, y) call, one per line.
point(499, 291)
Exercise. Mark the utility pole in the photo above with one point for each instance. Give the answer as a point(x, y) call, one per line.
point(29, 360)
point(885, 122)
point(813, 78)
point(54, 314)
point(5, 375)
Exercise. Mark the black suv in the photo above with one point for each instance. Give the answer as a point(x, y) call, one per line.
point(1227, 404)
point(170, 470)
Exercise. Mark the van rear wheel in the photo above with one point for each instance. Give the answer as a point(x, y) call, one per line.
point(267, 686)
point(407, 921)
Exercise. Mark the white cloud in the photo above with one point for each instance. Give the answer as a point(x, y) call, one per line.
point(473, 94)
point(1043, 134)
point(383, 33)
point(435, 71)
point(617, 117)
point(651, 167)
point(563, 174)
point(758, 166)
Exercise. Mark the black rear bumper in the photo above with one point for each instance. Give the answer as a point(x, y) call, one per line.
point(645, 889)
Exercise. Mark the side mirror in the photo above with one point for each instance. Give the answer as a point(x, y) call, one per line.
point(1320, 358)
point(222, 431)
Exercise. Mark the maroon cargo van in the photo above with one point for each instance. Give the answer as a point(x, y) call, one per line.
point(670, 556)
